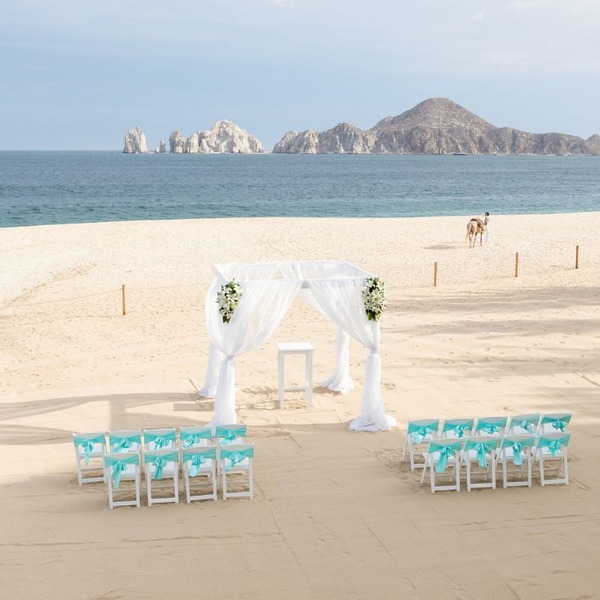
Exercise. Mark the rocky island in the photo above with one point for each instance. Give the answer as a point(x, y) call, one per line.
point(435, 126)
point(224, 137)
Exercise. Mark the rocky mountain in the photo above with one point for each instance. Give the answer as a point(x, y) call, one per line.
point(435, 126)
point(135, 142)
point(223, 137)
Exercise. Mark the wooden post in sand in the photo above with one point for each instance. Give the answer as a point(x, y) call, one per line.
point(123, 300)
point(435, 274)
point(577, 257)
point(516, 264)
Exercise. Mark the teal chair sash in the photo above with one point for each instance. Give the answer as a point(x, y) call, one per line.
point(160, 461)
point(228, 434)
point(119, 464)
point(491, 427)
point(192, 438)
point(87, 443)
point(554, 444)
point(482, 448)
point(446, 452)
point(558, 424)
point(459, 428)
point(124, 443)
point(527, 425)
point(164, 439)
point(518, 447)
point(234, 455)
point(417, 432)
point(197, 459)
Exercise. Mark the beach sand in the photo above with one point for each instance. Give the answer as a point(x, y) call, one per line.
point(336, 514)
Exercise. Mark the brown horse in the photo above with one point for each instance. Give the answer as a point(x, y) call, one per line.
point(475, 227)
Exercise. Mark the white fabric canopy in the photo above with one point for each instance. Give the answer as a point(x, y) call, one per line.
point(333, 287)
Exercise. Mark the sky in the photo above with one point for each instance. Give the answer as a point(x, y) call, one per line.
point(77, 74)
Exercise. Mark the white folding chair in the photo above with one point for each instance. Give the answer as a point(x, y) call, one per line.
point(554, 423)
point(518, 451)
point(523, 424)
point(226, 435)
point(457, 428)
point(199, 471)
point(159, 439)
point(237, 461)
point(89, 450)
point(440, 455)
point(417, 433)
point(161, 465)
point(552, 448)
point(125, 440)
point(490, 426)
point(120, 467)
point(480, 451)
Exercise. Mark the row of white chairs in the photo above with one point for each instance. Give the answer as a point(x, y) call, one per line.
point(481, 455)
point(424, 430)
point(202, 453)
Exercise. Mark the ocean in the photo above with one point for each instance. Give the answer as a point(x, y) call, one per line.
point(41, 188)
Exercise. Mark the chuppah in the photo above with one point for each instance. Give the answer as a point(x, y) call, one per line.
point(246, 303)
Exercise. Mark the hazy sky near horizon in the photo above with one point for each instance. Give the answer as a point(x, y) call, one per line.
point(76, 74)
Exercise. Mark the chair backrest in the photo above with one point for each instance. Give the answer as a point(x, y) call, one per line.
point(156, 439)
point(117, 463)
point(230, 456)
point(446, 449)
point(553, 422)
point(230, 434)
point(89, 443)
point(490, 425)
point(193, 436)
point(527, 423)
point(457, 428)
point(159, 459)
point(554, 442)
point(125, 440)
point(194, 458)
point(420, 429)
point(482, 446)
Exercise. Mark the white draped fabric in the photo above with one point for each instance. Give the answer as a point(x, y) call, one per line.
point(333, 287)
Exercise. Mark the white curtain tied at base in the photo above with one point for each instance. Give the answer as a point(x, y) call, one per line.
point(333, 287)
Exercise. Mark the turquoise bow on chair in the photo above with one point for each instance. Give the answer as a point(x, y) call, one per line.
point(460, 430)
point(419, 434)
point(527, 426)
point(490, 428)
point(482, 450)
point(517, 451)
point(190, 439)
point(161, 461)
point(118, 465)
point(445, 453)
point(559, 425)
point(87, 443)
point(124, 444)
point(160, 442)
point(554, 447)
point(197, 461)
point(233, 456)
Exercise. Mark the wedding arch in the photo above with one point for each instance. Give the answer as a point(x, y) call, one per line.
point(259, 297)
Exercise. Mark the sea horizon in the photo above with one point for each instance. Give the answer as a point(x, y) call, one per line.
point(46, 187)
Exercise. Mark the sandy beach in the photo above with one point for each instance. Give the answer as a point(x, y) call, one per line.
point(336, 514)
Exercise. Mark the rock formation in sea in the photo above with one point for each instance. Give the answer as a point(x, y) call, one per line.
point(176, 142)
point(223, 137)
point(135, 142)
point(162, 147)
point(435, 126)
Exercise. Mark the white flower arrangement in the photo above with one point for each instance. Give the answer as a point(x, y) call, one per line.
point(228, 297)
point(374, 298)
